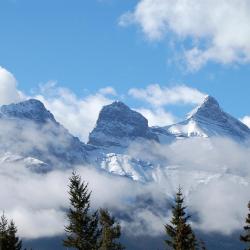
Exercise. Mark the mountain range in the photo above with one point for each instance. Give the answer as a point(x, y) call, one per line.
point(31, 136)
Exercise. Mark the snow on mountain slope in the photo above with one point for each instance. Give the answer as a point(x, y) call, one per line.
point(209, 120)
point(33, 164)
point(127, 166)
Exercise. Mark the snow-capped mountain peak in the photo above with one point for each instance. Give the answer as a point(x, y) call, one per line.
point(207, 120)
point(209, 107)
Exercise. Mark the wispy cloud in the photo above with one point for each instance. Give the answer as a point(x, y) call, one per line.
point(160, 96)
point(157, 116)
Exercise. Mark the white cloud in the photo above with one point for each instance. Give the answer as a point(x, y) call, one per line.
point(219, 203)
point(246, 120)
point(107, 91)
point(217, 168)
point(160, 96)
point(157, 117)
point(8, 88)
point(219, 29)
point(78, 115)
point(37, 202)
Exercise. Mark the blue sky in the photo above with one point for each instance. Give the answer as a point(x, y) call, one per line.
point(81, 45)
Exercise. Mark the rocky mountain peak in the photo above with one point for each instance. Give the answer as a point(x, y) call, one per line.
point(209, 109)
point(117, 123)
point(31, 109)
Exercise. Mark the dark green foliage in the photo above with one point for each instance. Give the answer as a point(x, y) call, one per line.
point(82, 231)
point(246, 237)
point(13, 241)
point(179, 232)
point(110, 232)
point(3, 232)
point(8, 237)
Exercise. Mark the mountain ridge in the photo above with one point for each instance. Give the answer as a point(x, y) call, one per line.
point(116, 129)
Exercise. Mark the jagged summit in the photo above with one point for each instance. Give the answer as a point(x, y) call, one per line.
point(31, 109)
point(210, 101)
point(117, 124)
point(209, 108)
point(207, 120)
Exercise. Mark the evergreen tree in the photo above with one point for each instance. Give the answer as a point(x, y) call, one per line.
point(246, 237)
point(110, 232)
point(179, 232)
point(13, 242)
point(3, 232)
point(8, 237)
point(82, 231)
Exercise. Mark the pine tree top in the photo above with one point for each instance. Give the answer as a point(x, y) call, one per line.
point(179, 232)
point(82, 229)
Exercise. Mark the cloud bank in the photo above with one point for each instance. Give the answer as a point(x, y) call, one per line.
point(215, 181)
point(214, 174)
point(37, 203)
point(218, 30)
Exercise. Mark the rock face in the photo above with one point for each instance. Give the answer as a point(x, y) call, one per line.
point(209, 120)
point(117, 125)
point(28, 129)
point(32, 110)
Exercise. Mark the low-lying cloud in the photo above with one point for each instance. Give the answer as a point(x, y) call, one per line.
point(214, 175)
point(38, 202)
